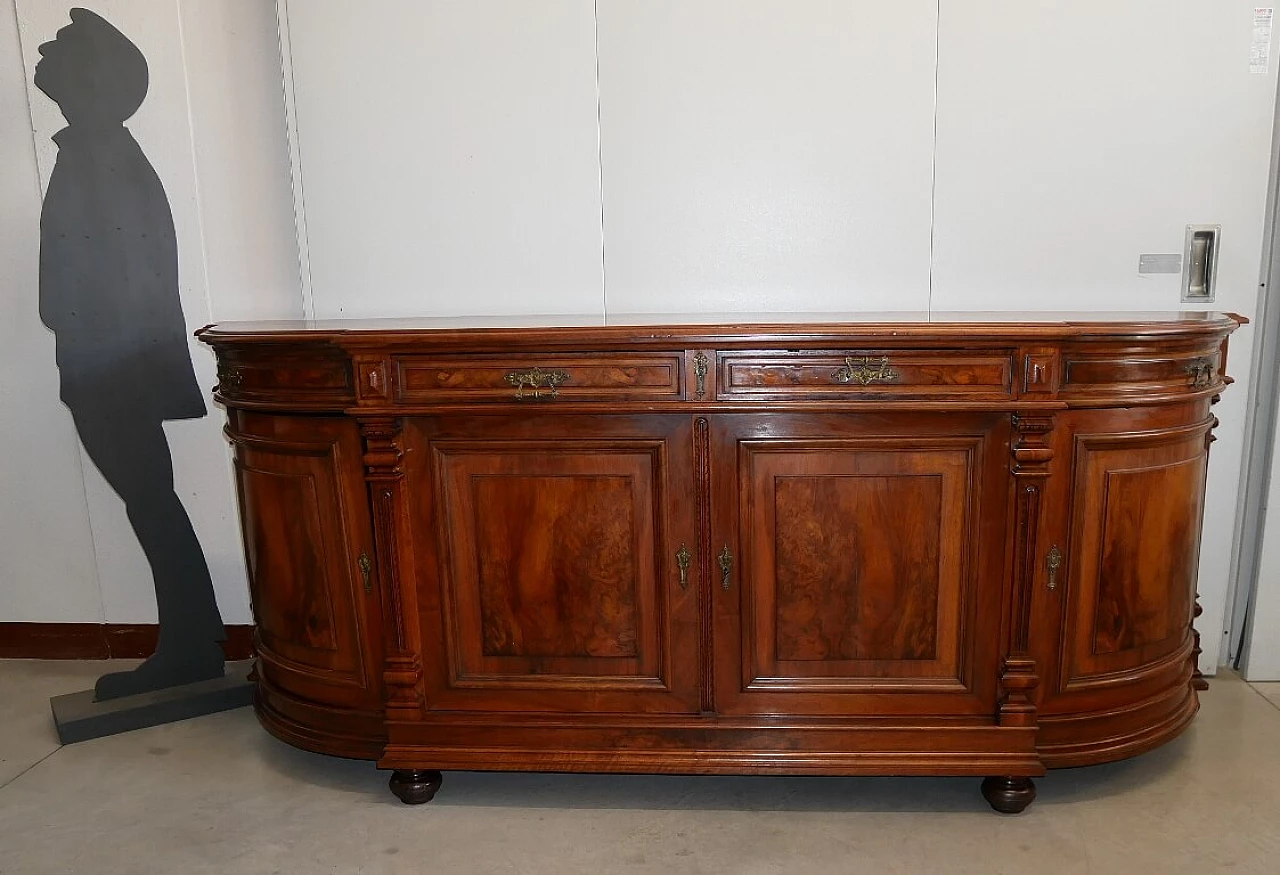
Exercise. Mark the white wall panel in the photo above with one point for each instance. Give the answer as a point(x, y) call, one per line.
point(233, 68)
point(1075, 136)
point(448, 155)
point(766, 154)
point(47, 571)
point(1264, 640)
point(233, 71)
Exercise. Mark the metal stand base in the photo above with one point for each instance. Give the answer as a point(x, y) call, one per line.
point(79, 718)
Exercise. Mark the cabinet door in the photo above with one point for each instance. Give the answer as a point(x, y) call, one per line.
point(1135, 546)
point(305, 522)
point(554, 583)
point(869, 560)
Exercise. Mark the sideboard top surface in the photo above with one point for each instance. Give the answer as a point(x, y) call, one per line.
point(1003, 325)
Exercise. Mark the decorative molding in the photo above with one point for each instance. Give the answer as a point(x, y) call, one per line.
point(1032, 452)
point(1031, 446)
point(1198, 681)
point(100, 641)
point(402, 665)
point(1197, 677)
point(382, 458)
point(402, 677)
point(384, 527)
point(382, 453)
point(1040, 372)
point(706, 611)
point(1026, 539)
point(371, 380)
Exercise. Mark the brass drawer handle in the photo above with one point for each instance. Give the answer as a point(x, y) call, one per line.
point(538, 383)
point(366, 566)
point(1200, 373)
point(683, 558)
point(230, 378)
point(865, 370)
point(726, 566)
point(1053, 562)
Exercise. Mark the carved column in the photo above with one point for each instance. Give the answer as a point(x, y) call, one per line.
point(1032, 452)
point(706, 609)
point(402, 663)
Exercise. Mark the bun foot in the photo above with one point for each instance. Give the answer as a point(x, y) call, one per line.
point(1009, 795)
point(415, 786)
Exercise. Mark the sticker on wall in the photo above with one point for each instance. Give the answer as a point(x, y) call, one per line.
point(109, 292)
point(1260, 49)
point(1170, 262)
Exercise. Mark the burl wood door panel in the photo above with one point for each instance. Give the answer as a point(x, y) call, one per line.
point(305, 522)
point(862, 569)
point(1135, 544)
point(557, 585)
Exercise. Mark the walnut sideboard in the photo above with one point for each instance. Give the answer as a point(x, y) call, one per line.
point(794, 546)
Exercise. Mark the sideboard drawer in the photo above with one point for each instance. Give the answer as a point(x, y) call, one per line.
point(626, 376)
point(837, 374)
point(299, 378)
point(1189, 370)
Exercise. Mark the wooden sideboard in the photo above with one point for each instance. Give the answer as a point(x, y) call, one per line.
point(870, 545)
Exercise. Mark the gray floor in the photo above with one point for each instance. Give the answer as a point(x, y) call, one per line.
point(218, 795)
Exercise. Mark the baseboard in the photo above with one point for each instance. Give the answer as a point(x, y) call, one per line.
point(99, 641)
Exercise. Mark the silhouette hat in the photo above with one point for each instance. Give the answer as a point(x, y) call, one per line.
point(92, 71)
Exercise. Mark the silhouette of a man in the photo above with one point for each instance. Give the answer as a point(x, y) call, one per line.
point(109, 291)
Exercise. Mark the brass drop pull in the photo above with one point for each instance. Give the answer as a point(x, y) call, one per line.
point(865, 370)
point(366, 566)
point(726, 566)
point(1053, 561)
point(683, 558)
point(537, 383)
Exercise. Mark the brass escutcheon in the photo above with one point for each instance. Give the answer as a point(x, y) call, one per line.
point(366, 566)
point(700, 363)
point(1053, 562)
point(683, 558)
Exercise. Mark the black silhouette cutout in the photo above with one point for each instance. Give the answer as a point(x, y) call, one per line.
point(109, 291)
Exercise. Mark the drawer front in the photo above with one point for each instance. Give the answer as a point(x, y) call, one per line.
point(1185, 371)
point(295, 378)
point(839, 375)
point(549, 378)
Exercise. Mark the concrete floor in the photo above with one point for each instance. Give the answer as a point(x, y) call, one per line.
point(218, 795)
